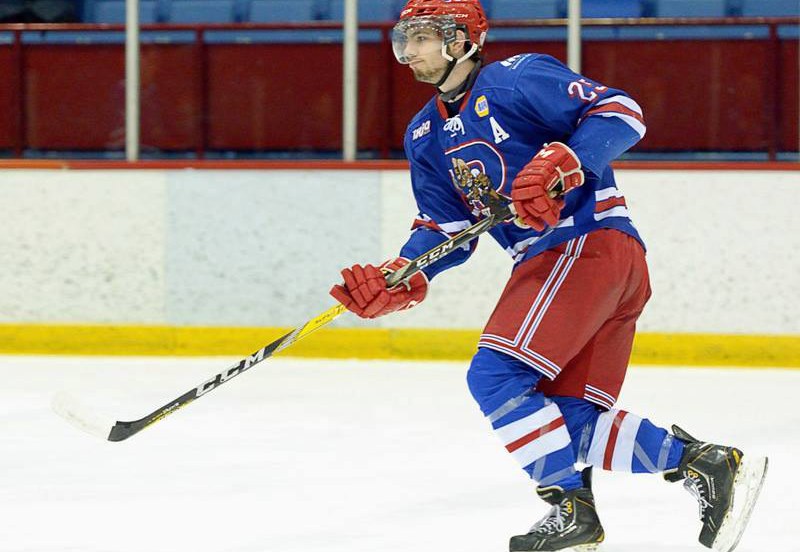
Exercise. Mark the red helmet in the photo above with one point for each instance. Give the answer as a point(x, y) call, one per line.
point(468, 15)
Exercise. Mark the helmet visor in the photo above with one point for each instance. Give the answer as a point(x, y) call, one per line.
point(417, 36)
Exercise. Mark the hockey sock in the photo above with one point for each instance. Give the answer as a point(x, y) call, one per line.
point(529, 425)
point(621, 441)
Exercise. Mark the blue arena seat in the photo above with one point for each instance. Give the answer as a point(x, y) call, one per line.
point(525, 9)
point(201, 11)
point(281, 11)
point(770, 8)
point(611, 8)
point(113, 11)
point(368, 10)
point(693, 32)
point(691, 8)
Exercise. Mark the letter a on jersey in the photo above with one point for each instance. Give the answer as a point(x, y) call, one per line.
point(499, 133)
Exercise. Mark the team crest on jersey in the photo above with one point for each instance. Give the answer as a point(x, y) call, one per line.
point(476, 186)
point(480, 157)
point(482, 106)
point(421, 130)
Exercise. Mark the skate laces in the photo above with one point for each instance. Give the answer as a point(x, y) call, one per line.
point(698, 491)
point(552, 522)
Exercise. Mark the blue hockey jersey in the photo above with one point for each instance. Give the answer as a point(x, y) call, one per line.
point(514, 108)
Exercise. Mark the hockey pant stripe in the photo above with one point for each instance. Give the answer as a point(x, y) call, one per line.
point(520, 347)
point(534, 360)
point(598, 396)
point(571, 258)
point(548, 290)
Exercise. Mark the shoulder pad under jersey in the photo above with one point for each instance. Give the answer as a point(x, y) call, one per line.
point(507, 73)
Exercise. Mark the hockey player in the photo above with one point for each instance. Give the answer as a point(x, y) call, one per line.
point(553, 355)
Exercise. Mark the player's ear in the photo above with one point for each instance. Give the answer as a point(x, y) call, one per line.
point(458, 48)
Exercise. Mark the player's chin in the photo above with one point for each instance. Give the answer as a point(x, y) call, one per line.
point(424, 76)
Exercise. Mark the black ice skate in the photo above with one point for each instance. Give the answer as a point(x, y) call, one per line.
point(571, 523)
point(725, 487)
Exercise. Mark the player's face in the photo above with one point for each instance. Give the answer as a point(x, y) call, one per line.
point(424, 50)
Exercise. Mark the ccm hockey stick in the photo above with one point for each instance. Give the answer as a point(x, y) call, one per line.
point(495, 211)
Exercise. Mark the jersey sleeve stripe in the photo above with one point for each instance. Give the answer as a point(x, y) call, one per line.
point(419, 223)
point(446, 227)
point(609, 203)
point(615, 108)
point(625, 101)
point(618, 211)
point(606, 193)
point(623, 107)
point(455, 227)
point(632, 122)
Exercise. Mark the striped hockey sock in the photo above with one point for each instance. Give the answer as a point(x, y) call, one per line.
point(621, 441)
point(535, 433)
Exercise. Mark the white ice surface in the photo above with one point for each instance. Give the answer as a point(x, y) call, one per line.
point(346, 457)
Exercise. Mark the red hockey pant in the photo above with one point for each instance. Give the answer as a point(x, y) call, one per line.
point(570, 313)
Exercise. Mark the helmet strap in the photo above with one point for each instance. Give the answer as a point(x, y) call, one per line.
point(452, 62)
point(450, 66)
point(454, 94)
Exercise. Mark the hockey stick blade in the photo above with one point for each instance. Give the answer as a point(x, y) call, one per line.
point(121, 430)
point(77, 414)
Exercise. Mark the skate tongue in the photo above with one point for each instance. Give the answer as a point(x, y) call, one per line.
point(682, 435)
point(552, 495)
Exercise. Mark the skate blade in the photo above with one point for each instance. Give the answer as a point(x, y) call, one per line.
point(591, 547)
point(746, 487)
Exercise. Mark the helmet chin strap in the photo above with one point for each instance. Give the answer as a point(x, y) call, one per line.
point(450, 66)
point(452, 62)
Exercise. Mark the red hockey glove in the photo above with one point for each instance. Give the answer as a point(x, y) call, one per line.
point(365, 293)
point(538, 188)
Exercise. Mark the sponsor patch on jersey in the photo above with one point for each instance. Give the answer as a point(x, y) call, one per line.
point(514, 61)
point(421, 130)
point(482, 106)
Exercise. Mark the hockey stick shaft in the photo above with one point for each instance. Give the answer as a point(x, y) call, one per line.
point(122, 430)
